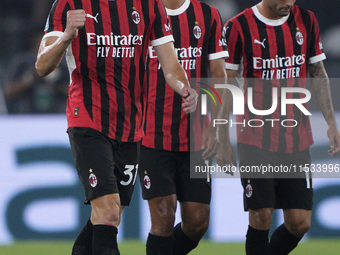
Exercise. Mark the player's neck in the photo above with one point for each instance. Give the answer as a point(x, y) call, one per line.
point(173, 4)
point(265, 10)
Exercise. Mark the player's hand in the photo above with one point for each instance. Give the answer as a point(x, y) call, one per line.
point(75, 21)
point(334, 140)
point(226, 155)
point(209, 136)
point(190, 98)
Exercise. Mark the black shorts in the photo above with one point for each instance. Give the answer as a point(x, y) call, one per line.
point(104, 165)
point(164, 173)
point(274, 192)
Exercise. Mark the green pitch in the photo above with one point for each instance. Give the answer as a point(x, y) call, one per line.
point(311, 247)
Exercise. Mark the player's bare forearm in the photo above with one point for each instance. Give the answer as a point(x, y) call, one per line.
point(227, 105)
point(320, 88)
point(50, 54)
point(52, 49)
point(175, 76)
point(217, 75)
point(226, 154)
point(224, 114)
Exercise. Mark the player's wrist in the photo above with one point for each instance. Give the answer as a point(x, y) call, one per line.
point(68, 36)
point(332, 124)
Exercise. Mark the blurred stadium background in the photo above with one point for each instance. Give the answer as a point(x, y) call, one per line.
point(41, 198)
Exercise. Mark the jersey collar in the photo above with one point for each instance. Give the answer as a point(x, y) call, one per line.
point(180, 10)
point(270, 22)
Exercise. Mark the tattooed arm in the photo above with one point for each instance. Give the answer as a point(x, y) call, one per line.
point(320, 88)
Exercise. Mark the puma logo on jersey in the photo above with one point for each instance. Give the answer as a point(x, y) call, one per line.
point(92, 17)
point(261, 43)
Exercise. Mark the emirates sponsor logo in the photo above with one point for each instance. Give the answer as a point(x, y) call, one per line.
point(115, 46)
point(114, 40)
point(279, 62)
point(280, 67)
point(187, 56)
point(190, 52)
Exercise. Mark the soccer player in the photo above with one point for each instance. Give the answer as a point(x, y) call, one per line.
point(106, 44)
point(164, 168)
point(279, 44)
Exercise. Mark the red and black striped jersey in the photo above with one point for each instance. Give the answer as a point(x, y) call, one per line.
point(197, 29)
point(107, 62)
point(276, 53)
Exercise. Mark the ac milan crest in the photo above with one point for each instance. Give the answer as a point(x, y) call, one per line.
point(197, 32)
point(93, 180)
point(299, 38)
point(135, 17)
point(249, 191)
point(147, 182)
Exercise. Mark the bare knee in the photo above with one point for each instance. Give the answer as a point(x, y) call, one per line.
point(162, 210)
point(260, 219)
point(106, 210)
point(297, 221)
point(196, 228)
point(299, 228)
point(195, 220)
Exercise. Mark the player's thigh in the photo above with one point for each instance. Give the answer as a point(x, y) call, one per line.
point(157, 170)
point(294, 194)
point(126, 165)
point(192, 189)
point(93, 155)
point(258, 190)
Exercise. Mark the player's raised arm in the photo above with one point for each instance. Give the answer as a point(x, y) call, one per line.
point(175, 76)
point(320, 88)
point(52, 48)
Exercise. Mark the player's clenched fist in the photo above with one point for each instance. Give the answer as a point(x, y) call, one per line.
point(75, 20)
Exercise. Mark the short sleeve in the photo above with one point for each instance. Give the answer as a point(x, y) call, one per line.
point(56, 21)
point(231, 36)
point(217, 46)
point(161, 31)
point(316, 48)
